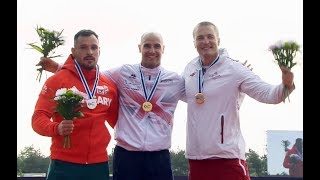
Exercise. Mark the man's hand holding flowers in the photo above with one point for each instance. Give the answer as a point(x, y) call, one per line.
point(287, 79)
point(284, 53)
point(68, 106)
point(48, 64)
point(65, 127)
point(49, 41)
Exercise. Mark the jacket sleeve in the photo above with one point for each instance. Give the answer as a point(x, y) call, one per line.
point(252, 85)
point(286, 161)
point(43, 112)
point(113, 111)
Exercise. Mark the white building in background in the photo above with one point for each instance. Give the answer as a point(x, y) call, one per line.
point(276, 151)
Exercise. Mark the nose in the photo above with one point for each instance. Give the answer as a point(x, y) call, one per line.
point(152, 50)
point(90, 51)
point(206, 40)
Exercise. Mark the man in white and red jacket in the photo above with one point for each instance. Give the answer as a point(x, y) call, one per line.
point(215, 86)
point(294, 159)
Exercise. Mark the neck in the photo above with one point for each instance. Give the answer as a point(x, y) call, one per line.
point(150, 66)
point(207, 60)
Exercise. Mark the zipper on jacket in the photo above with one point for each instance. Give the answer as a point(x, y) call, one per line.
point(222, 124)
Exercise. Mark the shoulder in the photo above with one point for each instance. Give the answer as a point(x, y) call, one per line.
point(106, 80)
point(234, 64)
point(192, 65)
point(170, 73)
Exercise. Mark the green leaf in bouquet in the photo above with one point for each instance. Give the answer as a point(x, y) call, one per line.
point(49, 41)
point(284, 53)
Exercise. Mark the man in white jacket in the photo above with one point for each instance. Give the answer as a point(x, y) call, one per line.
point(215, 84)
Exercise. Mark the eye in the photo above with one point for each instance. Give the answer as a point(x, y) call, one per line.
point(147, 46)
point(157, 46)
point(211, 36)
point(199, 38)
point(94, 48)
point(83, 47)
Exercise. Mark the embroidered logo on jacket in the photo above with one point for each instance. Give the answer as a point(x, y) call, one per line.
point(102, 90)
point(44, 89)
point(215, 75)
point(104, 100)
point(132, 85)
point(192, 74)
point(166, 80)
point(132, 76)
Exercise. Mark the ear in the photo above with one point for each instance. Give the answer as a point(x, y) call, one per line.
point(73, 51)
point(163, 49)
point(218, 41)
point(139, 46)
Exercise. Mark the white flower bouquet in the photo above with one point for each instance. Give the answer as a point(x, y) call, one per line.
point(50, 40)
point(69, 105)
point(284, 53)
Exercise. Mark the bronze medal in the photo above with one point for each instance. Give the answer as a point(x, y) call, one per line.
point(199, 98)
point(147, 106)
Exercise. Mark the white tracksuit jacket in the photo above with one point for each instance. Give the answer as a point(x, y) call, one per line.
point(213, 128)
point(137, 130)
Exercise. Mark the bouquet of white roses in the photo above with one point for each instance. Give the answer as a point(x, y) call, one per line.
point(50, 40)
point(69, 105)
point(284, 53)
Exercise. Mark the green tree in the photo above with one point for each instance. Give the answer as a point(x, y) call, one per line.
point(180, 166)
point(19, 166)
point(30, 160)
point(257, 164)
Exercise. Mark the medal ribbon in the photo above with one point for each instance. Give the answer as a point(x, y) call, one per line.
point(84, 82)
point(201, 73)
point(148, 97)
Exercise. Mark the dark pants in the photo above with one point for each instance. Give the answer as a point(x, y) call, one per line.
point(61, 170)
point(141, 165)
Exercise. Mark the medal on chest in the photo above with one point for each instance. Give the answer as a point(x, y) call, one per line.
point(199, 98)
point(147, 106)
point(91, 103)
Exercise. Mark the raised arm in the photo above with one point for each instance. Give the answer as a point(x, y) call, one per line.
point(49, 65)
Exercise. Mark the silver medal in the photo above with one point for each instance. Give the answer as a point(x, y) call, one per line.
point(91, 103)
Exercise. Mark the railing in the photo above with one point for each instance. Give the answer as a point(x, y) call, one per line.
point(186, 178)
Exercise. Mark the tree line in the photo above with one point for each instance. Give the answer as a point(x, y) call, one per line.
point(31, 160)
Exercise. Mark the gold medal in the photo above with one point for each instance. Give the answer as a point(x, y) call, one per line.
point(147, 106)
point(199, 98)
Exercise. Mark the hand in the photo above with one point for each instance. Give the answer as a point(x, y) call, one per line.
point(48, 64)
point(65, 127)
point(287, 77)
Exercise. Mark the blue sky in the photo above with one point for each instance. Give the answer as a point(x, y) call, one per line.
point(247, 29)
